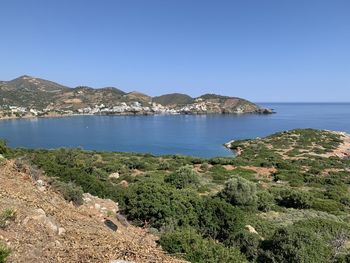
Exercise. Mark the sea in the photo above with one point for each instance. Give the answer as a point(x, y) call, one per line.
point(196, 135)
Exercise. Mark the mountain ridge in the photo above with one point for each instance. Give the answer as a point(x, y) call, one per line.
point(40, 96)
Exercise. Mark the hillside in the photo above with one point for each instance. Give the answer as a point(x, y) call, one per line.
point(38, 225)
point(173, 99)
point(28, 96)
point(283, 198)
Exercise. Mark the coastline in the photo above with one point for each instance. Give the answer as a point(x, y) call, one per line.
point(56, 115)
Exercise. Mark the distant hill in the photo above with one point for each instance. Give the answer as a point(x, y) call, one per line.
point(173, 99)
point(138, 96)
point(36, 93)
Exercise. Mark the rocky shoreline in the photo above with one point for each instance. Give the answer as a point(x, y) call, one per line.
point(58, 115)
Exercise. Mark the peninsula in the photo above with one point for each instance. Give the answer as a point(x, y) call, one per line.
point(28, 96)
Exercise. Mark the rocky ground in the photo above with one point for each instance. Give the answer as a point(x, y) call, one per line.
point(46, 228)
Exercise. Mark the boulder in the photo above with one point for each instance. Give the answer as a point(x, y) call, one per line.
point(124, 184)
point(114, 175)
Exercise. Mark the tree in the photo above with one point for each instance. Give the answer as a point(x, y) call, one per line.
point(239, 191)
point(220, 220)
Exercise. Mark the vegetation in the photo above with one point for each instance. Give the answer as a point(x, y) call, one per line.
point(7, 215)
point(240, 192)
point(70, 191)
point(183, 178)
point(197, 249)
point(286, 198)
point(173, 99)
point(4, 253)
point(3, 147)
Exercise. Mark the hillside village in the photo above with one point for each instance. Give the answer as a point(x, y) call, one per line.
point(123, 108)
point(27, 96)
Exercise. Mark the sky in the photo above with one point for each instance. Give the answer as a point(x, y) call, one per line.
point(262, 50)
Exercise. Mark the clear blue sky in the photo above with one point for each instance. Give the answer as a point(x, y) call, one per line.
point(262, 50)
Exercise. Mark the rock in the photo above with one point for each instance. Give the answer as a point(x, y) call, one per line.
point(124, 184)
point(265, 111)
point(251, 229)
point(111, 225)
point(53, 227)
point(114, 175)
point(40, 183)
point(122, 220)
point(41, 188)
point(40, 216)
point(97, 206)
point(228, 144)
point(61, 231)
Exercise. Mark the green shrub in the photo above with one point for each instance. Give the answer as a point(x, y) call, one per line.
point(204, 167)
point(239, 191)
point(265, 201)
point(192, 247)
point(4, 253)
point(295, 245)
point(70, 191)
point(337, 192)
point(294, 199)
point(248, 244)
point(327, 205)
point(335, 234)
point(182, 178)
point(7, 215)
point(343, 258)
point(3, 147)
point(163, 166)
point(220, 220)
point(158, 204)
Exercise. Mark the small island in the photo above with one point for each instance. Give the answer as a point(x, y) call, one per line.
point(27, 97)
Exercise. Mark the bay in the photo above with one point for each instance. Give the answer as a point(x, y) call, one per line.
point(197, 135)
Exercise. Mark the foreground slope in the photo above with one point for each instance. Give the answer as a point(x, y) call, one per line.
point(46, 228)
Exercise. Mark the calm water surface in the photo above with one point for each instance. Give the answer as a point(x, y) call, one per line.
point(185, 134)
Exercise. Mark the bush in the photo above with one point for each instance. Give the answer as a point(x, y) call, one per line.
point(4, 253)
point(7, 215)
point(248, 244)
point(3, 147)
point(343, 259)
point(195, 249)
point(265, 201)
point(220, 220)
point(335, 234)
point(295, 245)
point(149, 201)
point(294, 199)
point(163, 166)
point(327, 205)
point(204, 167)
point(182, 178)
point(70, 191)
point(239, 191)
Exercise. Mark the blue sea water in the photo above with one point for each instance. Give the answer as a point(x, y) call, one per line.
point(197, 135)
